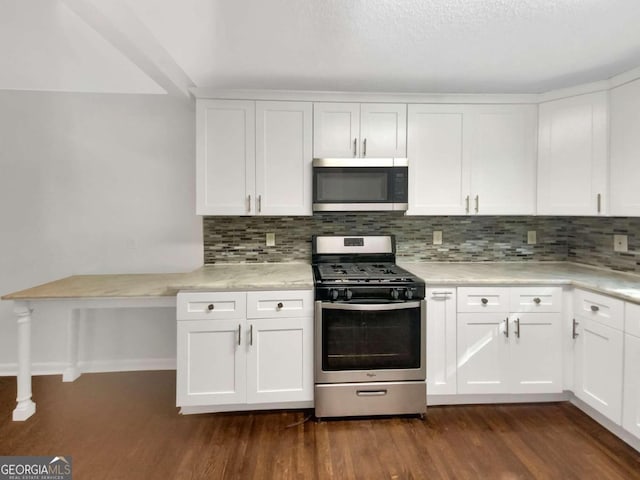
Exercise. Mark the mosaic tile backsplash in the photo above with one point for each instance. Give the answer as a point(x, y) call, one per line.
point(493, 238)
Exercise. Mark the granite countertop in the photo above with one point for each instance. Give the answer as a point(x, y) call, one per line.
point(261, 276)
point(625, 286)
point(298, 276)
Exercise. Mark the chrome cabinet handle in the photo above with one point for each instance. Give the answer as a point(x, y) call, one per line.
point(599, 202)
point(364, 147)
point(355, 147)
point(249, 203)
point(506, 327)
point(517, 328)
point(477, 203)
point(536, 301)
point(211, 306)
point(251, 335)
point(280, 305)
point(239, 334)
point(574, 333)
point(443, 292)
point(484, 301)
point(259, 203)
point(595, 308)
point(467, 202)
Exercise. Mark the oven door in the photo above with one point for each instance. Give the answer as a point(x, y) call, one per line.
point(370, 342)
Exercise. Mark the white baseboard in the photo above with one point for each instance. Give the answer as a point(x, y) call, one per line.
point(613, 427)
point(469, 399)
point(93, 366)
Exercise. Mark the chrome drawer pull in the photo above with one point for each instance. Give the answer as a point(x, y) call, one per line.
point(280, 305)
point(484, 301)
point(537, 301)
point(517, 328)
point(371, 393)
point(239, 333)
point(574, 333)
point(506, 327)
point(211, 306)
point(595, 308)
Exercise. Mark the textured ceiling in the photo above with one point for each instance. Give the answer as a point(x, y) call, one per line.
point(493, 46)
point(398, 45)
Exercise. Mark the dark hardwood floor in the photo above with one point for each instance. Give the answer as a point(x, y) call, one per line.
point(125, 426)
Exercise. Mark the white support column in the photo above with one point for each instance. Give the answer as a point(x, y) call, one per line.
point(72, 372)
point(25, 407)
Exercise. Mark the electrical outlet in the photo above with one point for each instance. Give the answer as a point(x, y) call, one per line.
point(532, 237)
point(437, 237)
point(620, 243)
point(271, 240)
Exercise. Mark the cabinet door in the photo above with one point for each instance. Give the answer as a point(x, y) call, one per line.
point(572, 160)
point(283, 158)
point(336, 130)
point(211, 364)
point(280, 360)
point(502, 153)
point(225, 157)
point(625, 148)
point(441, 341)
point(535, 359)
point(483, 353)
point(598, 367)
point(438, 170)
point(631, 413)
point(383, 130)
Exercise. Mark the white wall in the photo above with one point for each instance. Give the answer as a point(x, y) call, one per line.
point(95, 183)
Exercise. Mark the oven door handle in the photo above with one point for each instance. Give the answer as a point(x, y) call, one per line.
point(369, 306)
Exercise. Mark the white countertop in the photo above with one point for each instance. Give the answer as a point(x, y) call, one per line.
point(298, 276)
point(625, 286)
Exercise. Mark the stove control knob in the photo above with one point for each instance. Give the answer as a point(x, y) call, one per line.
point(333, 294)
point(408, 294)
point(394, 293)
point(348, 294)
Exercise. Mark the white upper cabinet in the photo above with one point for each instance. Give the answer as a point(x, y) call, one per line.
point(253, 158)
point(438, 171)
point(625, 149)
point(472, 159)
point(502, 153)
point(283, 158)
point(572, 162)
point(344, 130)
point(225, 156)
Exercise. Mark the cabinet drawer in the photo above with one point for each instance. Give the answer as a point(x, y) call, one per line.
point(632, 319)
point(606, 310)
point(536, 299)
point(211, 305)
point(279, 304)
point(483, 299)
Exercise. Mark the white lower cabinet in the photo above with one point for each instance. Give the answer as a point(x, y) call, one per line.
point(598, 367)
point(278, 369)
point(631, 400)
point(502, 352)
point(441, 341)
point(251, 360)
point(211, 363)
point(483, 353)
point(598, 352)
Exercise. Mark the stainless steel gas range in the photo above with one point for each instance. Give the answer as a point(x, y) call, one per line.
point(370, 321)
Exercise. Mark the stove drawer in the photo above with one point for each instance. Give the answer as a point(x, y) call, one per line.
point(483, 299)
point(280, 304)
point(211, 305)
point(363, 399)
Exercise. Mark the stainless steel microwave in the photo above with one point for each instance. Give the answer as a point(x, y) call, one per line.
point(360, 184)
